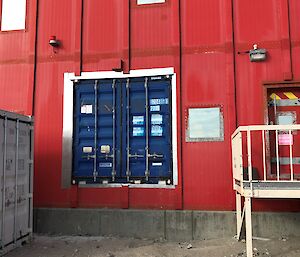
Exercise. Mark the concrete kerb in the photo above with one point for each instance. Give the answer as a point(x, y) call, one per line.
point(156, 224)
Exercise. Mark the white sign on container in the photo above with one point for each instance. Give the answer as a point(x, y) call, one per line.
point(86, 109)
point(138, 120)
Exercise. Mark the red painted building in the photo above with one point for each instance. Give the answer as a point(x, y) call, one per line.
point(206, 43)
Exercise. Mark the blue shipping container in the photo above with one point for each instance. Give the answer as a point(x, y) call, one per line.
point(123, 130)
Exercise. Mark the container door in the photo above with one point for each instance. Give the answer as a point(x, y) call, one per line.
point(148, 131)
point(14, 180)
point(85, 131)
point(23, 180)
point(122, 130)
point(136, 130)
point(108, 129)
point(95, 143)
point(160, 129)
point(284, 109)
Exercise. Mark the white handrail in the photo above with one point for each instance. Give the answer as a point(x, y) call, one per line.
point(237, 152)
point(265, 127)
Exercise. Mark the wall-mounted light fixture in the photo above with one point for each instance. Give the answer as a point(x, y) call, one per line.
point(257, 54)
point(54, 42)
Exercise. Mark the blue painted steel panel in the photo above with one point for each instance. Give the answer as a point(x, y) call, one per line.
point(128, 122)
point(84, 130)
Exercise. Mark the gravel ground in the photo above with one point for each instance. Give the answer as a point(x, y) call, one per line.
point(43, 246)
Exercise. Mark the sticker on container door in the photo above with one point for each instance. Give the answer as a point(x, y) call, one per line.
point(156, 131)
point(154, 108)
point(138, 120)
point(86, 109)
point(87, 149)
point(157, 164)
point(156, 119)
point(138, 132)
point(105, 165)
point(159, 101)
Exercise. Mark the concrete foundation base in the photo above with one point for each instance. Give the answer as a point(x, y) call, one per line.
point(171, 225)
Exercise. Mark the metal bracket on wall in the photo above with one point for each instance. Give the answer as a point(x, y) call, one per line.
point(120, 68)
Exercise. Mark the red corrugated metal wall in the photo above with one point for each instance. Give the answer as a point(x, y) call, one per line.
point(199, 38)
point(207, 80)
point(62, 19)
point(271, 26)
point(17, 51)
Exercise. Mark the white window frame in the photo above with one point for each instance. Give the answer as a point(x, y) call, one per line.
point(205, 139)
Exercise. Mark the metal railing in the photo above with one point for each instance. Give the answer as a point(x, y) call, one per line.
point(253, 149)
point(243, 157)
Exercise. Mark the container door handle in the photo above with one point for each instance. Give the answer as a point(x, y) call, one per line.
point(135, 156)
point(89, 156)
point(156, 156)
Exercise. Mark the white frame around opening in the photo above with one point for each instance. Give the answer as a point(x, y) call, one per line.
point(67, 151)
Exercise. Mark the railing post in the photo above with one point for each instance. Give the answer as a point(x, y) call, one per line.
point(277, 156)
point(264, 154)
point(239, 219)
point(291, 156)
point(248, 227)
point(241, 161)
point(249, 158)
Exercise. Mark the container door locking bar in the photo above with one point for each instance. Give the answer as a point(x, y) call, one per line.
point(95, 131)
point(16, 179)
point(113, 173)
point(156, 156)
point(147, 171)
point(128, 173)
point(136, 156)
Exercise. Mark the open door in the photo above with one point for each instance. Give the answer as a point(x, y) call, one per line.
point(284, 109)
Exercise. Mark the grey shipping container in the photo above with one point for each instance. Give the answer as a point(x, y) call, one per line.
point(16, 179)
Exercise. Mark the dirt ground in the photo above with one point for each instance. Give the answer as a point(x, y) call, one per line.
point(116, 247)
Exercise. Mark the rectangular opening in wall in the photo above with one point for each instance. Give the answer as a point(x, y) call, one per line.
point(13, 15)
point(123, 131)
point(283, 107)
point(205, 124)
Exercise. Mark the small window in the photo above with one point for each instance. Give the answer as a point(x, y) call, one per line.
point(205, 124)
point(286, 118)
point(13, 15)
point(139, 2)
